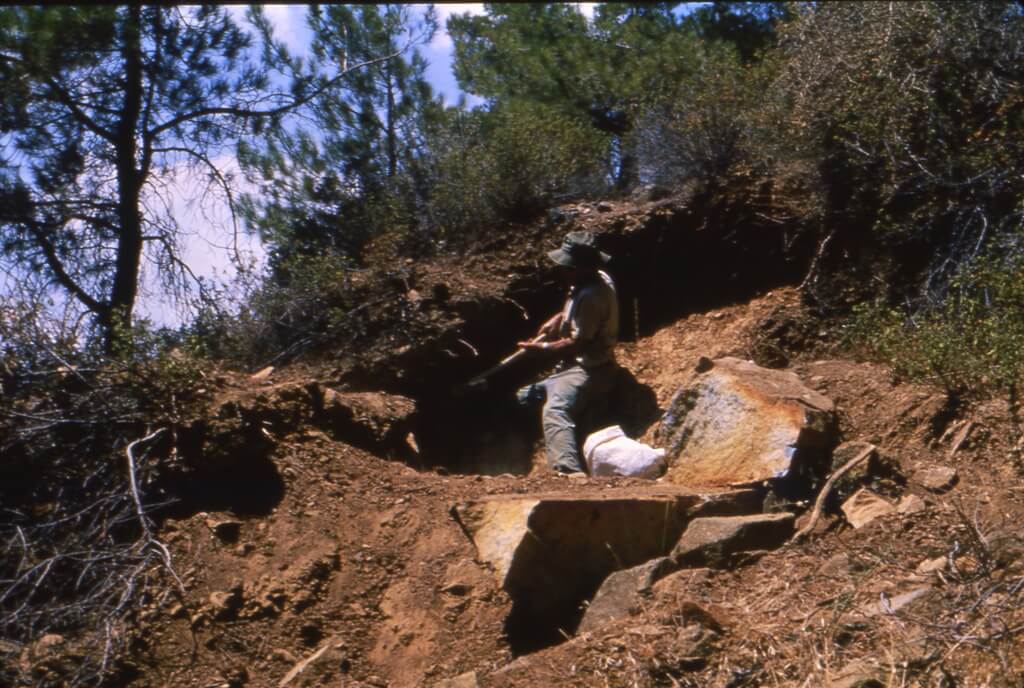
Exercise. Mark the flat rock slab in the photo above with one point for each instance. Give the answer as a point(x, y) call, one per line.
point(937, 478)
point(864, 507)
point(738, 423)
point(620, 594)
point(552, 551)
point(712, 541)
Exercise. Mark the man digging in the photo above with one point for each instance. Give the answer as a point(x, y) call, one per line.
point(584, 332)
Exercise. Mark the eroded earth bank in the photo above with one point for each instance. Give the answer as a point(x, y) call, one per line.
point(364, 520)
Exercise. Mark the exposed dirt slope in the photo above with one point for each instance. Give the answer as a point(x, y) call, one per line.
point(361, 559)
point(326, 557)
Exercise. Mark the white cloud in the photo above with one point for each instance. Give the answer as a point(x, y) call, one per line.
point(442, 41)
point(289, 22)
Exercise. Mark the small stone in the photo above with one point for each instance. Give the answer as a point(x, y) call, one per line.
point(865, 506)
point(225, 605)
point(937, 478)
point(1007, 549)
point(177, 611)
point(282, 655)
point(262, 374)
point(858, 674)
point(457, 588)
point(836, 565)
point(932, 565)
point(376, 681)
point(467, 680)
point(244, 549)
point(49, 640)
point(910, 504)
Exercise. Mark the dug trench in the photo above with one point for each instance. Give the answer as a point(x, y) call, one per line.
point(667, 265)
point(666, 268)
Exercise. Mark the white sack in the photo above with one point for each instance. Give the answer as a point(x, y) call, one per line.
point(610, 452)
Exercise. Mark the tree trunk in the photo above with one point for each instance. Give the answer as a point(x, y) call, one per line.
point(392, 143)
point(628, 173)
point(129, 186)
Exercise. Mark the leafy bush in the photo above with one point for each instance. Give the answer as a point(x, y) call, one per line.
point(972, 342)
point(912, 130)
point(703, 130)
point(307, 301)
point(506, 164)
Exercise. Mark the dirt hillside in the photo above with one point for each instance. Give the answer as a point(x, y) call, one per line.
point(329, 555)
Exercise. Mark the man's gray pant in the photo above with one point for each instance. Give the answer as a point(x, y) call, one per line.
point(570, 396)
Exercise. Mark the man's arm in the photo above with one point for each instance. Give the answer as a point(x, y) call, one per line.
point(582, 328)
point(564, 345)
point(550, 327)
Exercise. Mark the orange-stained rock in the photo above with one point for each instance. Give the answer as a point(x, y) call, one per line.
point(739, 423)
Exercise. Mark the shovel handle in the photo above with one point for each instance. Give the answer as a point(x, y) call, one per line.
point(511, 358)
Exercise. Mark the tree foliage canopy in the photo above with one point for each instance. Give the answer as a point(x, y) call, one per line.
point(354, 168)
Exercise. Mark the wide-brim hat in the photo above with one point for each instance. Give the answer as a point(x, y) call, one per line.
point(579, 250)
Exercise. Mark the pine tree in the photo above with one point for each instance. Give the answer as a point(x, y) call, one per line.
point(354, 172)
point(100, 105)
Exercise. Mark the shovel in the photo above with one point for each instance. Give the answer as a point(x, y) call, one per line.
point(479, 382)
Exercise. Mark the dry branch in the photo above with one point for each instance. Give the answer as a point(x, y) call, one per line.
point(819, 504)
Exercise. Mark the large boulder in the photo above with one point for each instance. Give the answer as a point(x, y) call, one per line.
point(738, 423)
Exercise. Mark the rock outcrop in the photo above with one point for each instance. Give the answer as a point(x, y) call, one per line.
point(711, 542)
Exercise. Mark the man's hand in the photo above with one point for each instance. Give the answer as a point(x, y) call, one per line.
point(543, 341)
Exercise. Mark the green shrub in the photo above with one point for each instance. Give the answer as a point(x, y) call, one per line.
point(308, 300)
point(506, 164)
point(971, 342)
